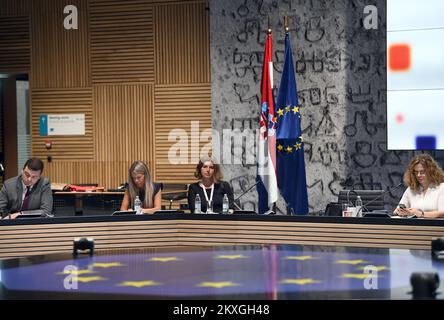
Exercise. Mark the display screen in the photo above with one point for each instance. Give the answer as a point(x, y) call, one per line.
point(415, 75)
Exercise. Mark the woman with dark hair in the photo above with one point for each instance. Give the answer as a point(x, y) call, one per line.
point(140, 184)
point(424, 196)
point(210, 187)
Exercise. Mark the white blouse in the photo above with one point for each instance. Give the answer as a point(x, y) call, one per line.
point(431, 200)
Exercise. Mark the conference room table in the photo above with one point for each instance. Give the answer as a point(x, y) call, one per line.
point(230, 273)
point(87, 202)
point(34, 236)
point(80, 196)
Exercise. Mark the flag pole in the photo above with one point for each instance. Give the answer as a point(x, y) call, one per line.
point(287, 29)
point(286, 24)
point(273, 206)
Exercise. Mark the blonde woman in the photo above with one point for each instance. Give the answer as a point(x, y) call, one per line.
point(140, 184)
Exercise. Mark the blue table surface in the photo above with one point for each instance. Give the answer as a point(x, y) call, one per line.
point(254, 271)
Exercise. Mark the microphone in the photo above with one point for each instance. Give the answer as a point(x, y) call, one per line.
point(244, 193)
point(348, 195)
point(379, 197)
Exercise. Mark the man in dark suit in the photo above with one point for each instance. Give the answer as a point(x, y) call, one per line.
point(28, 191)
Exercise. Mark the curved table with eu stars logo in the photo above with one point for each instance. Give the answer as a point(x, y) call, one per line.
point(39, 236)
point(219, 272)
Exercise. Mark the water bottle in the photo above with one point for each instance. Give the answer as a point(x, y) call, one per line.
point(225, 204)
point(358, 205)
point(138, 205)
point(197, 204)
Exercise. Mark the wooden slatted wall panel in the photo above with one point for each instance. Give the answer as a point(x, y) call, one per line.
point(14, 7)
point(107, 173)
point(122, 46)
point(176, 107)
point(76, 71)
point(182, 43)
point(62, 101)
point(123, 120)
point(60, 57)
point(14, 44)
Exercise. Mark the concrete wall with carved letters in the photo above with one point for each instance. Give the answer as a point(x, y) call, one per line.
point(341, 79)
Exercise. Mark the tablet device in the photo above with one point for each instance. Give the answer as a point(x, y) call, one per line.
point(376, 214)
point(123, 213)
point(244, 212)
point(168, 211)
point(404, 217)
point(30, 214)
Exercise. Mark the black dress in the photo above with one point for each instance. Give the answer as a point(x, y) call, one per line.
point(156, 188)
point(220, 188)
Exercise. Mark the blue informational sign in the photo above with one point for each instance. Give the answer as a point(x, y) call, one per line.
point(43, 120)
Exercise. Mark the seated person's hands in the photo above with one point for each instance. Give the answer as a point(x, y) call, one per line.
point(12, 216)
point(147, 211)
point(408, 212)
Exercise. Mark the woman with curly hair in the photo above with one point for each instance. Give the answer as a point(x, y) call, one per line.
point(424, 197)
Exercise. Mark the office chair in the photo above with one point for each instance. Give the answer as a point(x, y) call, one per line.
point(174, 192)
point(374, 198)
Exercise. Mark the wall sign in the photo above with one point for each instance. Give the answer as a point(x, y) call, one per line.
point(62, 124)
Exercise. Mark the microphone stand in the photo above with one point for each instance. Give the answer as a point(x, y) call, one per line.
point(245, 192)
point(379, 197)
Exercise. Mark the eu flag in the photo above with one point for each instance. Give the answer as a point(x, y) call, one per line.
point(290, 147)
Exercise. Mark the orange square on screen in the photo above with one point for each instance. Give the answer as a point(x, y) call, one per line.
point(399, 57)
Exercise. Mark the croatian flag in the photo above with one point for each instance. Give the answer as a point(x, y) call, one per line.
point(266, 174)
